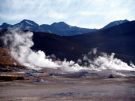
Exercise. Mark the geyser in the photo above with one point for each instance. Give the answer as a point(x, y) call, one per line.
point(20, 44)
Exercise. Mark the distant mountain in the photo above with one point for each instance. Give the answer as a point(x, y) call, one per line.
point(115, 23)
point(5, 26)
point(64, 29)
point(119, 39)
point(59, 28)
point(27, 25)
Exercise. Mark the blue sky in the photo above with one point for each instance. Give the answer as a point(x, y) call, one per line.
point(83, 13)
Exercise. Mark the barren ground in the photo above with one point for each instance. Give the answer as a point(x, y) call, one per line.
point(69, 89)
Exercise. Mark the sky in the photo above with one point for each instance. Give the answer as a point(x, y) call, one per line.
point(82, 13)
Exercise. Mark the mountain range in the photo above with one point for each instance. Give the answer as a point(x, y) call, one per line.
point(117, 37)
point(59, 28)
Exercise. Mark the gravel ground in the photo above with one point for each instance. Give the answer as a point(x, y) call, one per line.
point(69, 89)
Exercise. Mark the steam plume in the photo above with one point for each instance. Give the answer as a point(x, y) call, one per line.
point(20, 44)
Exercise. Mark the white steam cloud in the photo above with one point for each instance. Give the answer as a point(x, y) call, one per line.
point(20, 44)
point(109, 62)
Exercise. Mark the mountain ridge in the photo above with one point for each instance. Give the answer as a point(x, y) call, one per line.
point(117, 39)
point(58, 28)
point(115, 23)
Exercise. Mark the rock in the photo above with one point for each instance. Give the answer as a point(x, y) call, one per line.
point(111, 76)
point(11, 76)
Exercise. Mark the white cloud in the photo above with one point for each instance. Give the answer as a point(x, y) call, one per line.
point(84, 13)
point(56, 15)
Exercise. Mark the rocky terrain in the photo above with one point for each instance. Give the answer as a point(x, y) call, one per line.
point(9, 67)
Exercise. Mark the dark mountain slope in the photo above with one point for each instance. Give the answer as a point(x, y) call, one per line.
point(58, 45)
point(118, 39)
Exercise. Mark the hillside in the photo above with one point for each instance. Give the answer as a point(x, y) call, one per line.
point(119, 39)
point(7, 63)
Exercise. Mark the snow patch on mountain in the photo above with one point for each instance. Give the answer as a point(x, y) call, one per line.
point(115, 23)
